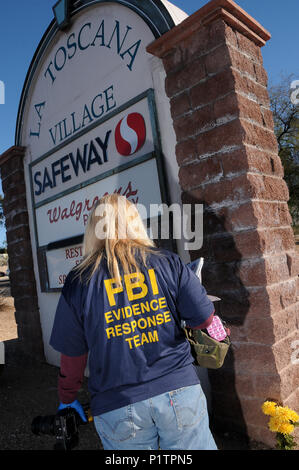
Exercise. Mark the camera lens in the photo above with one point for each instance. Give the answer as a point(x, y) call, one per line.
point(43, 425)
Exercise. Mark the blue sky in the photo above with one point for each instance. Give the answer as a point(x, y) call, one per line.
point(22, 24)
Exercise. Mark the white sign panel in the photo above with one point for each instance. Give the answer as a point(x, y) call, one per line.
point(118, 140)
point(60, 262)
point(86, 72)
point(67, 216)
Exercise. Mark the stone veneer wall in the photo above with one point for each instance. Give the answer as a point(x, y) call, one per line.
point(22, 277)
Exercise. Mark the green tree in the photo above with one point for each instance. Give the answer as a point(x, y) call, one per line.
point(286, 125)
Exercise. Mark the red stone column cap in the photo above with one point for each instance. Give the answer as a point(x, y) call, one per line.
point(228, 10)
point(13, 151)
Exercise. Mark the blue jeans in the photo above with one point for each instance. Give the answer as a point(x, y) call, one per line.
point(172, 420)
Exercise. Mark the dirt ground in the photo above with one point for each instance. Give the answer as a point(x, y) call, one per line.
point(30, 389)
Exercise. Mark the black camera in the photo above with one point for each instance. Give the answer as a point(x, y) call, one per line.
point(64, 426)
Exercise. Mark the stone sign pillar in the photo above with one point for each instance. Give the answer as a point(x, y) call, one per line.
point(228, 159)
point(22, 278)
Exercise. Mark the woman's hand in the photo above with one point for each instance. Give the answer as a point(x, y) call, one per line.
point(76, 406)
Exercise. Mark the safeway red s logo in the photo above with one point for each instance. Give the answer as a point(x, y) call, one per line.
point(130, 134)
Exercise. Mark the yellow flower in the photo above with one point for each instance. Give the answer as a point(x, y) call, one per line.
point(274, 424)
point(286, 414)
point(292, 415)
point(286, 428)
point(282, 413)
point(269, 407)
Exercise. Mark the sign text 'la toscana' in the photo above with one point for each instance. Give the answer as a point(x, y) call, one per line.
point(117, 38)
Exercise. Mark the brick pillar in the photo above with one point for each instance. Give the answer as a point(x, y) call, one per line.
point(228, 159)
point(22, 278)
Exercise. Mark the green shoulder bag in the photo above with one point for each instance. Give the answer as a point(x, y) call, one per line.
point(207, 352)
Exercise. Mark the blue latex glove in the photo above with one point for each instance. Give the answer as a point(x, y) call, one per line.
point(77, 406)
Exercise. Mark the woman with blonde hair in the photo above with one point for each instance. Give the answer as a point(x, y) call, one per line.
point(122, 308)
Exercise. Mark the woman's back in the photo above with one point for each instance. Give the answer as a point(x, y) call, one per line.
point(132, 332)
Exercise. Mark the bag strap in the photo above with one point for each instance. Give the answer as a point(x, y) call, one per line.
point(189, 335)
point(200, 336)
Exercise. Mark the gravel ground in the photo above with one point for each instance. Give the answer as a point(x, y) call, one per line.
point(29, 390)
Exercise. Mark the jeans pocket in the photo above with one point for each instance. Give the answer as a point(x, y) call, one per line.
point(189, 405)
point(116, 425)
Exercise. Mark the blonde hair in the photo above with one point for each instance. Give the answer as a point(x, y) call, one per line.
point(115, 230)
